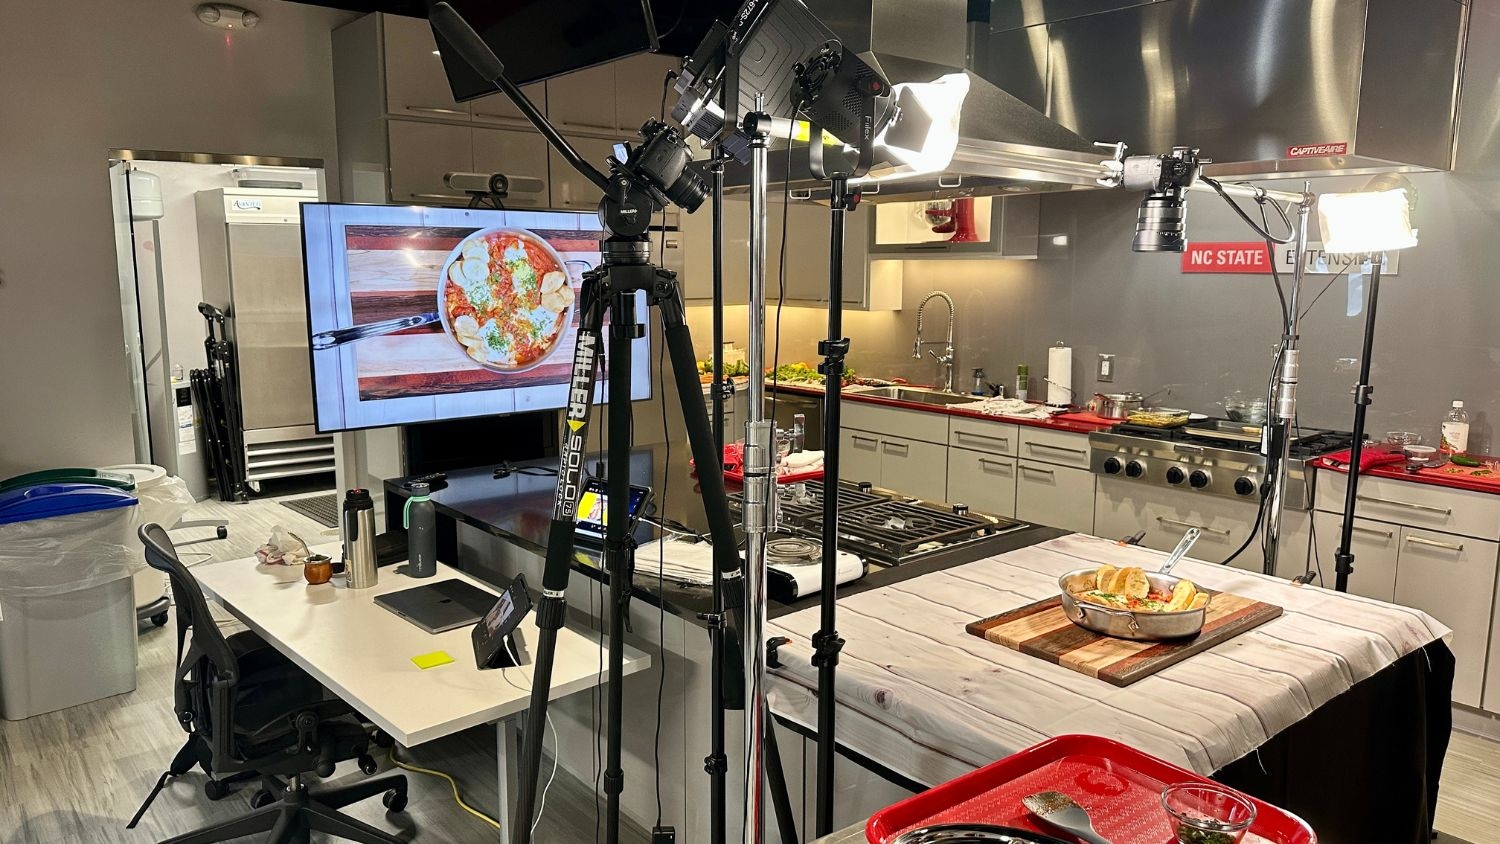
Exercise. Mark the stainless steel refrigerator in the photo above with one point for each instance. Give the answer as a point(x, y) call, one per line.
point(250, 249)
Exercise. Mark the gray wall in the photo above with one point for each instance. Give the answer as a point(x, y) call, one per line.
point(1438, 335)
point(78, 78)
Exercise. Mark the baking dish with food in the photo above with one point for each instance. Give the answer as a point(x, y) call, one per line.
point(1124, 623)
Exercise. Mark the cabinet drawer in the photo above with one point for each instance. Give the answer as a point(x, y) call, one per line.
point(1055, 496)
point(986, 482)
point(859, 456)
point(514, 153)
point(898, 423)
point(914, 468)
point(1419, 505)
point(1452, 578)
point(1375, 546)
point(421, 154)
point(1057, 447)
point(979, 435)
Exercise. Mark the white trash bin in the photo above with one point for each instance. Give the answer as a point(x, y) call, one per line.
point(67, 608)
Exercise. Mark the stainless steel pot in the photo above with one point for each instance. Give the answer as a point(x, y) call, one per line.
point(1115, 405)
point(1126, 624)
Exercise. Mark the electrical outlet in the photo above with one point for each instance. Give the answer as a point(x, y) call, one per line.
point(1106, 373)
point(663, 835)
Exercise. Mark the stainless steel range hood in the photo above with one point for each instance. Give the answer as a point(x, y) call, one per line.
point(1265, 88)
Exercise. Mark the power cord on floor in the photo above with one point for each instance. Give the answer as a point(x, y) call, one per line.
point(457, 798)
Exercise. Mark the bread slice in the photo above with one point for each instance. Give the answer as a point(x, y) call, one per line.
point(1182, 596)
point(1200, 601)
point(1104, 577)
point(1132, 582)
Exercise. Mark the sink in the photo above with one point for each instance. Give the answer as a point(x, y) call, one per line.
point(916, 395)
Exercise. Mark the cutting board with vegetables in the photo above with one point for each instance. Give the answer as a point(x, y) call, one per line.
point(1042, 630)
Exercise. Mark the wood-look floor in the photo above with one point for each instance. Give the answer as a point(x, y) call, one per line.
point(78, 775)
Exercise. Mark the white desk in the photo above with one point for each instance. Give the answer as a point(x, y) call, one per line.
point(362, 653)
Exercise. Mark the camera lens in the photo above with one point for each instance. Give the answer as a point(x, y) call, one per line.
point(1161, 225)
point(688, 191)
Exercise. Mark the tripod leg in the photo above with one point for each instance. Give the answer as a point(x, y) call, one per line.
point(552, 607)
point(781, 800)
point(618, 553)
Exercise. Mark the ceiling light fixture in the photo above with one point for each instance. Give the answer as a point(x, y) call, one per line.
point(225, 16)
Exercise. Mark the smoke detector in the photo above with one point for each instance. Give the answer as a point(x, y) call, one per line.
point(225, 16)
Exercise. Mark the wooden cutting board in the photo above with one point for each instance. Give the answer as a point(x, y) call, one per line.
point(1042, 630)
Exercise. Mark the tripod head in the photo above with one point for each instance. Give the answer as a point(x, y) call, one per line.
point(643, 179)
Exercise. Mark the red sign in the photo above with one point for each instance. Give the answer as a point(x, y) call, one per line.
point(1317, 150)
point(1248, 257)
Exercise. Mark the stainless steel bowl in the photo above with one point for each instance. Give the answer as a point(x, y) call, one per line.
point(1126, 624)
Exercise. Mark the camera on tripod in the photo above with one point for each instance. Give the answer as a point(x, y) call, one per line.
point(647, 177)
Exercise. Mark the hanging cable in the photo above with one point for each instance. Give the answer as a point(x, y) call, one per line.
point(1262, 199)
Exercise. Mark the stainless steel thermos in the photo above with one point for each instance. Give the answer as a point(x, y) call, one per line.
point(420, 521)
point(357, 530)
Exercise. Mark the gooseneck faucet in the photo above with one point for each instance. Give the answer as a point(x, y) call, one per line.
point(946, 358)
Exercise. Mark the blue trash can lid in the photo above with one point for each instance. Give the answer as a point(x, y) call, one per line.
point(47, 500)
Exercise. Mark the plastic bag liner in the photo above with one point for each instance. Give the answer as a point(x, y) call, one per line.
point(62, 554)
point(164, 501)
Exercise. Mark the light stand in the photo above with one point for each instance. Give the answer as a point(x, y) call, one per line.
point(1343, 558)
point(1283, 398)
point(652, 176)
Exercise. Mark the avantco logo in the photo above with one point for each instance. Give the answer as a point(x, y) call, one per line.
point(1317, 150)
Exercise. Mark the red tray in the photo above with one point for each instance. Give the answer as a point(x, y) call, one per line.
point(1119, 785)
point(796, 477)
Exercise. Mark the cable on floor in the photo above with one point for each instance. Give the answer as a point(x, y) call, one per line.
point(457, 798)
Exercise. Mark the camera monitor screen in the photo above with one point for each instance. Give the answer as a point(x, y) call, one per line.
point(422, 314)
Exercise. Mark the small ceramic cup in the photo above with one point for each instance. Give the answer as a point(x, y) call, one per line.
point(318, 569)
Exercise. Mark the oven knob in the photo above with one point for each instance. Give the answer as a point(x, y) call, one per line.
point(1175, 475)
point(1135, 468)
point(1199, 479)
point(961, 509)
point(865, 486)
point(1244, 486)
point(1112, 466)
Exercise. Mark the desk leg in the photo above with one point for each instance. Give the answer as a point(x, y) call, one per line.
point(508, 756)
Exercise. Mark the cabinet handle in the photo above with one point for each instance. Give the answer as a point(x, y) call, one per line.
point(996, 463)
point(1433, 543)
point(446, 112)
point(1166, 521)
point(1383, 534)
point(514, 118)
point(447, 196)
point(1423, 507)
point(1039, 470)
point(986, 437)
point(857, 438)
point(1061, 448)
point(905, 449)
point(590, 127)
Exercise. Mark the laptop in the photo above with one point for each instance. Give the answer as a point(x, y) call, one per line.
point(593, 509)
point(439, 607)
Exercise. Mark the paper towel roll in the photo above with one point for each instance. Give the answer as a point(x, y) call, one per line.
point(1060, 376)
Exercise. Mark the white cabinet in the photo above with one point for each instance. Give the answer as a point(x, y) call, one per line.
point(415, 84)
point(895, 421)
point(984, 481)
point(1452, 579)
point(497, 109)
point(421, 154)
point(514, 153)
point(914, 468)
point(570, 189)
point(859, 456)
point(1125, 508)
point(697, 229)
point(638, 86)
point(1059, 447)
point(983, 435)
point(584, 101)
point(1055, 496)
point(1455, 511)
point(1375, 546)
point(1492, 674)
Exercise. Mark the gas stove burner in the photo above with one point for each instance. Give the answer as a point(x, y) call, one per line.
point(899, 522)
point(794, 551)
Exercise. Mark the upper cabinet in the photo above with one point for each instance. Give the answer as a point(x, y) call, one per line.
point(415, 84)
point(973, 227)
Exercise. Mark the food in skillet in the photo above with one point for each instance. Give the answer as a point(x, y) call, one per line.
point(507, 299)
point(1129, 589)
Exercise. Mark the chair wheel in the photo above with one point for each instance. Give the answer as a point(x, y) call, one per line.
point(261, 799)
point(215, 789)
point(395, 801)
point(160, 619)
point(383, 739)
point(367, 765)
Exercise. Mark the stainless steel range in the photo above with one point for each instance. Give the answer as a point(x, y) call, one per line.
point(883, 527)
point(1213, 457)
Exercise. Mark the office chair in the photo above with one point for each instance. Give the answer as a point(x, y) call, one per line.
point(249, 712)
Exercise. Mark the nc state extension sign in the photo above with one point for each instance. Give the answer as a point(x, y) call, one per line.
point(1248, 257)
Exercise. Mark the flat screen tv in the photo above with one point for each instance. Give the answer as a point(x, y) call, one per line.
point(422, 314)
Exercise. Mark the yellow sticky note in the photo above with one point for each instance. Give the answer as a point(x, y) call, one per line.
point(432, 660)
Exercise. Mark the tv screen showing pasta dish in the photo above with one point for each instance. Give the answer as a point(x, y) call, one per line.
point(419, 314)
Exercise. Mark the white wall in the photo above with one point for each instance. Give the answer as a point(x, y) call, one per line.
point(77, 79)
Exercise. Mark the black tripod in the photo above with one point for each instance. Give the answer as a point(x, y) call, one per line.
point(1343, 558)
point(654, 174)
